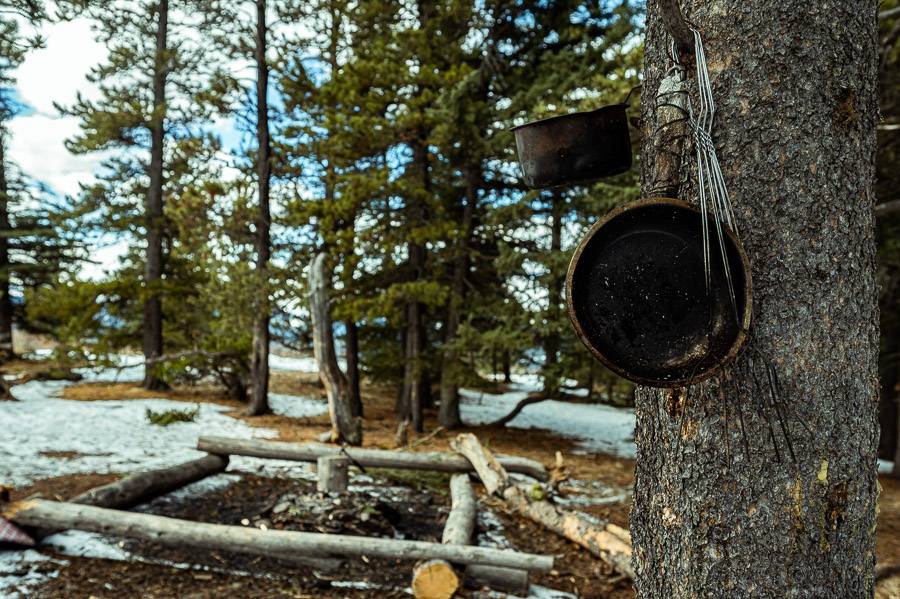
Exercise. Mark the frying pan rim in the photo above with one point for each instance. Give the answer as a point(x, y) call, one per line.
point(560, 117)
point(747, 294)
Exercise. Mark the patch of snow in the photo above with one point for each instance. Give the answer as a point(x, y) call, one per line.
point(86, 544)
point(536, 591)
point(885, 467)
point(296, 406)
point(490, 530)
point(109, 435)
point(596, 427)
point(21, 570)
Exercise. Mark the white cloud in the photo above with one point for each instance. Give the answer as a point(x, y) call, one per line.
point(59, 71)
point(37, 145)
point(55, 74)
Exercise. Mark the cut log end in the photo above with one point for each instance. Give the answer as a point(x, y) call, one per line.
point(434, 579)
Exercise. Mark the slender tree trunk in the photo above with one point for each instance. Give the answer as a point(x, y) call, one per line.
point(554, 297)
point(507, 367)
point(448, 415)
point(6, 306)
point(345, 426)
point(795, 92)
point(259, 394)
point(153, 209)
point(352, 355)
point(415, 343)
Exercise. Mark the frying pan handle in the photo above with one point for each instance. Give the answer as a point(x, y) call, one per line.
point(631, 91)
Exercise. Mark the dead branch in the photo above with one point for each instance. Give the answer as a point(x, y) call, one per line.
point(677, 27)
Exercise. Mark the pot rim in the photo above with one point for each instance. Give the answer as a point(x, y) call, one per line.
point(558, 117)
point(747, 292)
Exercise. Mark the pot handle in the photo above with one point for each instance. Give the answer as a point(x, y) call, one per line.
point(631, 91)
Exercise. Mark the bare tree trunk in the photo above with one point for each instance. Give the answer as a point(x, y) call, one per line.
point(507, 367)
point(6, 307)
point(153, 208)
point(259, 394)
point(714, 517)
point(448, 415)
point(344, 425)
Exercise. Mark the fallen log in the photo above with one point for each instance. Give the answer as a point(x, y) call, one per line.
point(507, 580)
point(607, 541)
point(604, 539)
point(270, 543)
point(461, 520)
point(375, 458)
point(143, 486)
point(493, 476)
point(437, 579)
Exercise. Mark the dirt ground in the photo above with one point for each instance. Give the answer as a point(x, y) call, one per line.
point(253, 499)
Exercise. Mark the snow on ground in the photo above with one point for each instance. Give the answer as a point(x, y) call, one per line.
point(19, 570)
point(112, 435)
point(287, 364)
point(108, 436)
point(596, 427)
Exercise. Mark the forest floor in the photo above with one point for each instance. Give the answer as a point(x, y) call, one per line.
point(400, 504)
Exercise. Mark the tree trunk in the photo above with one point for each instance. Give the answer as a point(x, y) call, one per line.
point(352, 355)
point(413, 387)
point(259, 394)
point(344, 425)
point(448, 415)
point(717, 513)
point(507, 367)
point(6, 306)
point(554, 297)
point(153, 209)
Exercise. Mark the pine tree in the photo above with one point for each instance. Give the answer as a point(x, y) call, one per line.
point(157, 89)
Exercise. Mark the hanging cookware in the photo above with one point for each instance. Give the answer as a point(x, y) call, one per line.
point(638, 297)
point(574, 148)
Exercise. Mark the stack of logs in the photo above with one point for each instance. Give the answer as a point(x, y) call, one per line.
point(443, 567)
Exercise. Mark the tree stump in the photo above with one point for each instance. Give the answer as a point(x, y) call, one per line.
point(333, 477)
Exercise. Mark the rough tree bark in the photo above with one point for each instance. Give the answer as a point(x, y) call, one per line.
point(153, 205)
point(795, 90)
point(344, 425)
point(6, 307)
point(259, 393)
